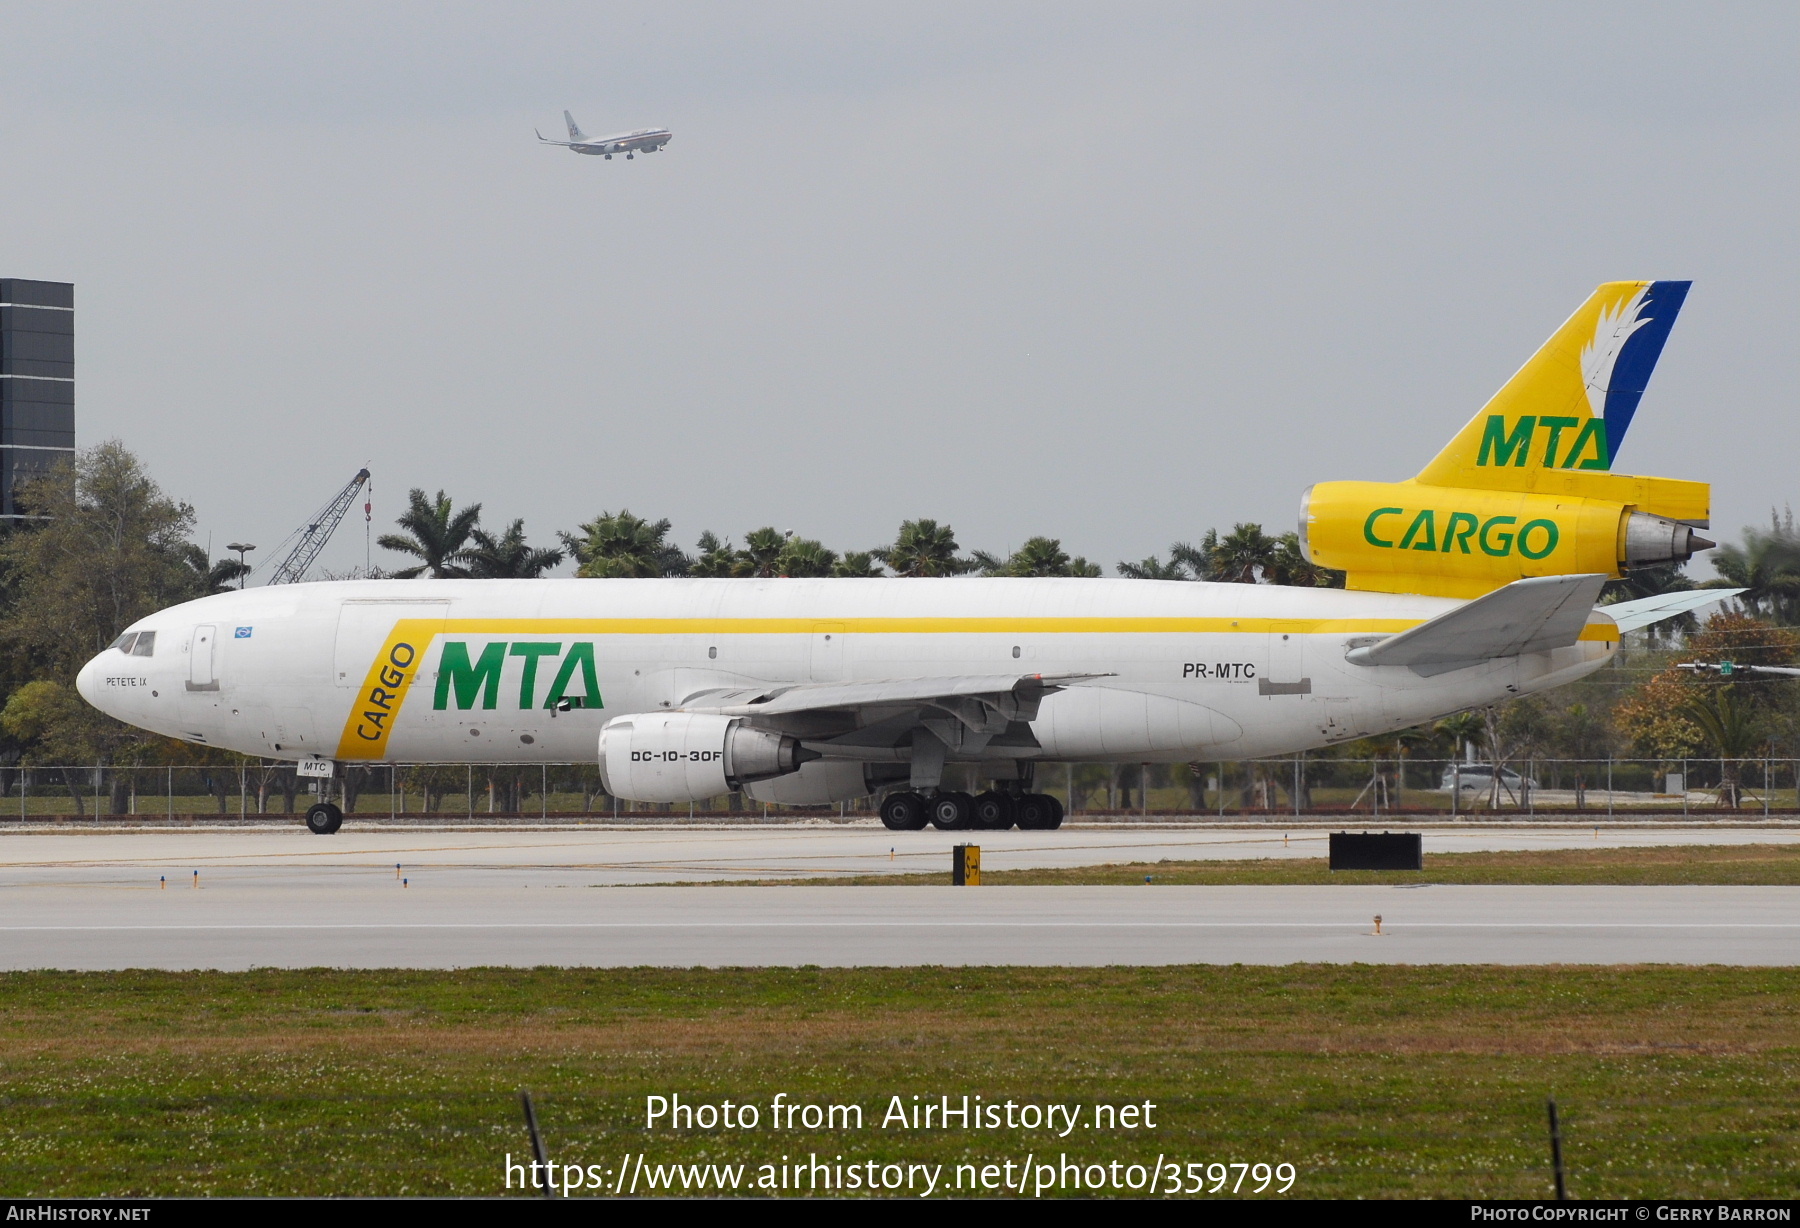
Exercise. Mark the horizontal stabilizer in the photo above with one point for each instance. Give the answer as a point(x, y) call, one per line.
point(1533, 615)
point(1638, 614)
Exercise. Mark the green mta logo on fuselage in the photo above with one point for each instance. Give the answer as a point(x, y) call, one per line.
point(469, 679)
point(1588, 449)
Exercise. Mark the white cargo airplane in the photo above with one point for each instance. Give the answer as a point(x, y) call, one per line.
point(644, 140)
point(1468, 585)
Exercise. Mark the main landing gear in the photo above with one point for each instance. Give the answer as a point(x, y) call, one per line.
point(323, 819)
point(960, 812)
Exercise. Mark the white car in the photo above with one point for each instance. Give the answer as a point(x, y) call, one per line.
point(1479, 778)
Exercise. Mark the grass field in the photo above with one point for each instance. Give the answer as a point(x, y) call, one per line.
point(1746, 865)
point(1372, 1081)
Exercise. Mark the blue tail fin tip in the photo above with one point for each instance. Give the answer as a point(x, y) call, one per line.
point(1637, 359)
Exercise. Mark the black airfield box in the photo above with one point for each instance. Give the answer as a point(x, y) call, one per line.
point(1398, 850)
point(37, 380)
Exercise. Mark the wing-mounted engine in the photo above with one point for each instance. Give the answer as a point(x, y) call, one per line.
point(691, 756)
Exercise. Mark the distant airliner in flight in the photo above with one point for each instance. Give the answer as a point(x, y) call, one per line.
point(644, 140)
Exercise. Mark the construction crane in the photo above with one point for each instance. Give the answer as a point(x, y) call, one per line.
point(317, 532)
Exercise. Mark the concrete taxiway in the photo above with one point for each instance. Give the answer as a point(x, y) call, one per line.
point(620, 856)
point(370, 924)
point(404, 897)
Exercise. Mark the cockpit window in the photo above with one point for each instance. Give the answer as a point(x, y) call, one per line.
point(145, 645)
point(123, 643)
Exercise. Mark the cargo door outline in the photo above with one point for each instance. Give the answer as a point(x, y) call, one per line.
point(1286, 671)
point(201, 676)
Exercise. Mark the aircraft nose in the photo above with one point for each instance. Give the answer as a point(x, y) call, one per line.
point(87, 682)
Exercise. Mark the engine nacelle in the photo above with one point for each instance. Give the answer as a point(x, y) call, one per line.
point(691, 756)
point(1410, 537)
point(824, 781)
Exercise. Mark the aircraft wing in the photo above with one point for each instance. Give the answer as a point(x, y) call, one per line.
point(546, 140)
point(1635, 615)
point(1532, 615)
point(966, 710)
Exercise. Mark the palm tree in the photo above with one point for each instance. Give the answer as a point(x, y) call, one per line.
point(761, 555)
point(217, 576)
point(712, 557)
point(1245, 554)
point(857, 564)
point(924, 548)
point(508, 557)
point(437, 535)
point(1768, 565)
point(1465, 729)
point(625, 547)
point(1199, 560)
point(1039, 556)
point(803, 557)
point(1153, 568)
point(1735, 732)
point(1291, 566)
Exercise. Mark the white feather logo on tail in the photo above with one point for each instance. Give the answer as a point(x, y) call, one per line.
point(1598, 357)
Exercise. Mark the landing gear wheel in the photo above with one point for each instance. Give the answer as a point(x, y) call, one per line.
point(323, 819)
point(953, 812)
point(903, 812)
point(1056, 812)
point(1032, 812)
point(993, 812)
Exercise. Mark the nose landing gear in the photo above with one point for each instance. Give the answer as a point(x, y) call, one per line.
point(323, 819)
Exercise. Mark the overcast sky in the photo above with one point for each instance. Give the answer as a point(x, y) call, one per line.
point(1109, 273)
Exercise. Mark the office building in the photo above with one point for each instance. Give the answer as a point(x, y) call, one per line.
point(37, 380)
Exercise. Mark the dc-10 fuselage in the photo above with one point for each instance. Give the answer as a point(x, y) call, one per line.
point(510, 671)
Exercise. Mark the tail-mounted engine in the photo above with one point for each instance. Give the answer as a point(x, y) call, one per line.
point(691, 756)
point(1411, 537)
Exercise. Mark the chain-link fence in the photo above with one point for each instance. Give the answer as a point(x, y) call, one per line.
point(1248, 789)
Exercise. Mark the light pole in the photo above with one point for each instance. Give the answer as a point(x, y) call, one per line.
point(242, 549)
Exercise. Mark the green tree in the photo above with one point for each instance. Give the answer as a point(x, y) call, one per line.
point(1734, 730)
point(761, 555)
point(436, 534)
point(214, 575)
point(112, 549)
point(509, 556)
point(51, 724)
point(1039, 556)
point(713, 558)
point(1767, 565)
point(1460, 730)
point(924, 548)
point(1244, 555)
point(625, 547)
point(1199, 560)
point(857, 564)
point(1291, 566)
point(1153, 568)
point(803, 557)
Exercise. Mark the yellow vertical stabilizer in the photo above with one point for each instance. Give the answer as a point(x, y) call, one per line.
point(1526, 488)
